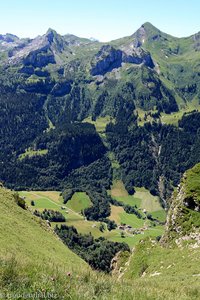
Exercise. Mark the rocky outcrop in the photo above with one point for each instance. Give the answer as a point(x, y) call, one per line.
point(139, 37)
point(106, 60)
point(61, 88)
point(136, 55)
point(109, 58)
point(8, 38)
point(196, 39)
point(41, 86)
point(183, 220)
point(44, 54)
point(39, 58)
point(147, 32)
point(40, 51)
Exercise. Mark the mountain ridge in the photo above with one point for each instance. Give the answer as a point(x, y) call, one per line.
point(146, 25)
point(53, 85)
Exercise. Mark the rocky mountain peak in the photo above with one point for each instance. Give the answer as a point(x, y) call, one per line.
point(51, 34)
point(8, 38)
point(146, 32)
point(140, 37)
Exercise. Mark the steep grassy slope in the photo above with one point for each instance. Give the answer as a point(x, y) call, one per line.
point(177, 257)
point(177, 61)
point(183, 222)
point(177, 269)
point(30, 239)
point(33, 261)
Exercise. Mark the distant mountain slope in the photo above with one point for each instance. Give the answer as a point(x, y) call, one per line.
point(51, 85)
point(157, 64)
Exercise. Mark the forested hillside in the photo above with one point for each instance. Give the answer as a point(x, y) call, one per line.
point(76, 114)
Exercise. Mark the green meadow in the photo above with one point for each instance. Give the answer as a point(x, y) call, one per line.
point(72, 212)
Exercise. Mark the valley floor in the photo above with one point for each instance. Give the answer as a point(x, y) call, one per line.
point(72, 212)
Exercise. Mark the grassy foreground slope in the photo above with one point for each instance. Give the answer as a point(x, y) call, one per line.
point(29, 238)
point(34, 262)
point(177, 258)
point(177, 269)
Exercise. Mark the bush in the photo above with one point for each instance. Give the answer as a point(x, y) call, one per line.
point(122, 234)
point(102, 227)
point(50, 215)
point(20, 202)
point(110, 224)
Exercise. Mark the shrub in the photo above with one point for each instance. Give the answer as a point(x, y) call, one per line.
point(50, 215)
point(20, 202)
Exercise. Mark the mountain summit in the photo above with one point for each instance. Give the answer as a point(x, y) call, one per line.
point(141, 81)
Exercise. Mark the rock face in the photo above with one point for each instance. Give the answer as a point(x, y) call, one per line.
point(183, 221)
point(8, 38)
point(109, 58)
point(39, 58)
point(106, 60)
point(136, 55)
point(196, 39)
point(40, 51)
point(60, 89)
point(42, 86)
point(139, 37)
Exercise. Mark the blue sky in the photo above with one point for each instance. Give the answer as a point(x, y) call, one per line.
point(102, 19)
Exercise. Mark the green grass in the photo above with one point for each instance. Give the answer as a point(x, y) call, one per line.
point(142, 199)
point(170, 119)
point(50, 200)
point(31, 153)
point(53, 200)
point(150, 257)
point(131, 219)
point(28, 237)
point(85, 227)
point(79, 202)
point(120, 216)
point(130, 200)
point(100, 123)
point(159, 215)
point(192, 183)
point(149, 202)
point(119, 193)
point(40, 201)
point(176, 270)
point(132, 241)
point(173, 118)
point(32, 260)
